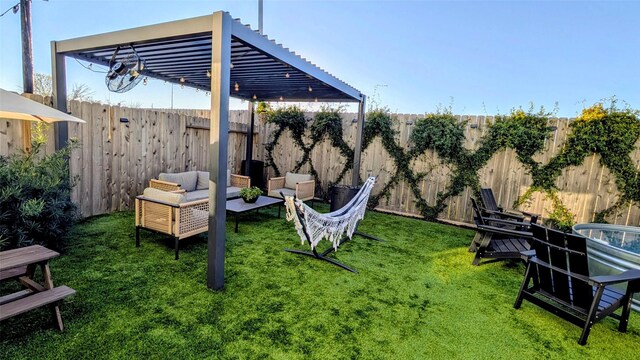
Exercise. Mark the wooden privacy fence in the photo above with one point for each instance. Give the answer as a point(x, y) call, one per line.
point(117, 159)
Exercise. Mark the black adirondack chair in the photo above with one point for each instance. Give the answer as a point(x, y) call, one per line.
point(498, 238)
point(492, 206)
point(557, 279)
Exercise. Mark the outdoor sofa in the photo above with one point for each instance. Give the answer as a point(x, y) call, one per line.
point(178, 204)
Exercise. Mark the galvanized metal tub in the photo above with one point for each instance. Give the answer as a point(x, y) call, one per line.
point(612, 249)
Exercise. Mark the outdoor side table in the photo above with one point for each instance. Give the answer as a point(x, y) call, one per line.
point(238, 206)
point(21, 264)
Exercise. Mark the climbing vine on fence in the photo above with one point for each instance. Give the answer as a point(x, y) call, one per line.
point(610, 132)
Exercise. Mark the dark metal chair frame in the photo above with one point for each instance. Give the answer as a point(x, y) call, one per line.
point(557, 279)
point(497, 237)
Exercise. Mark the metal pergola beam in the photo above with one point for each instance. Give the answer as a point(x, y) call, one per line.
point(142, 34)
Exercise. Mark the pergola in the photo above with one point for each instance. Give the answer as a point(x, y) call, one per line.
point(212, 53)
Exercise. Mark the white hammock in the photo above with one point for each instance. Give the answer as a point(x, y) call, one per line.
point(331, 226)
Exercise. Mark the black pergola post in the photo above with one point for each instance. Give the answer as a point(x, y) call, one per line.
point(355, 174)
point(249, 151)
point(218, 140)
point(59, 77)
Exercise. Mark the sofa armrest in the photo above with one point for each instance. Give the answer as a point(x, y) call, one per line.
point(275, 183)
point(240, 181)
point(163, 185)
point(305, 190)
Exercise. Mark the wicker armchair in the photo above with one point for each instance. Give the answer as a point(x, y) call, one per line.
point(301, 185)
point(168, 213)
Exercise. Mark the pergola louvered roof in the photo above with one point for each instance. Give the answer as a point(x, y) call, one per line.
point(181, 52)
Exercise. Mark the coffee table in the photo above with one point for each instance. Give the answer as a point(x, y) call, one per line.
point(238, 206)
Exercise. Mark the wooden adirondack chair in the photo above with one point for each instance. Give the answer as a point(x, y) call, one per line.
point(557, 279)
point(492, 206)
point(497, 237)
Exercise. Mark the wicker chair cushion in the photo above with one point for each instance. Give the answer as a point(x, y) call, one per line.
point(233, 192)
point(285, 191)
point(197, 195)
point(186, 180)
point(291, 179)
point(203, 180)
point(164, 196)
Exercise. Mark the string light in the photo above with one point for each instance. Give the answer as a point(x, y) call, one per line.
point(231, 65)
point(182, 86)
point(254, 97)
point(145, 81)
point(310, 89)
point(182, 80)
point(236, 87)
point(316, 99)
point(286, 75)
point(281, 98)
point(208, 73)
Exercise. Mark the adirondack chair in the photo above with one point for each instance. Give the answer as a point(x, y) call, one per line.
point(492, 207)
point(496, 237)
point(557, 279)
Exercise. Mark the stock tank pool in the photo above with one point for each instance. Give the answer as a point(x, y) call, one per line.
point(612, 249)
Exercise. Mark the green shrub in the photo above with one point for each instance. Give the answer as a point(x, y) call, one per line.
point(250, 192)
point(35, 197)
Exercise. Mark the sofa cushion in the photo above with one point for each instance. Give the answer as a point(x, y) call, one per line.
point(164, 196)
point(197, 195)
point(186, 180)
point(203, 180)
point(228, 177)
point(233, 191)
point(285, 191)
point(291, 179)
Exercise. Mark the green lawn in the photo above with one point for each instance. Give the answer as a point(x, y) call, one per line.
point(416, 297)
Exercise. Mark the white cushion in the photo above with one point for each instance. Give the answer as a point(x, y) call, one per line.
point(285, 191)
point(164, 196)
point(228, 177)
point(186, 180)
point(291, 179)
point(233, 191)
point(203, 180)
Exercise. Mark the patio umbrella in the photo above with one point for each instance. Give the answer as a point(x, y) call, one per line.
point(14, 106)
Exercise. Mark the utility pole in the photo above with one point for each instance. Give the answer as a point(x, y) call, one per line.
point(27, 48)
point(260, 9)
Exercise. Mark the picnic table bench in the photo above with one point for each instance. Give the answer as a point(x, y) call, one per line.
point(20, 264)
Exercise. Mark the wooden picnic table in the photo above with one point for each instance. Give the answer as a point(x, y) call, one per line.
point(20, 264)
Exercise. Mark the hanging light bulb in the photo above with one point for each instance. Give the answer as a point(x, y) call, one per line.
point(231, 65)
point(281, 98)
point(181, 86)
point(182, 79)
point(208, 73)
point(286, 75)
point(197, 90)
point(90, 66)
point(236, 87)
point(310, 89)
point(254, 97)
point(145, 81)
point(316, 99)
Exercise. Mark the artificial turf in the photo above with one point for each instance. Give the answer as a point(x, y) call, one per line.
point(416, 297)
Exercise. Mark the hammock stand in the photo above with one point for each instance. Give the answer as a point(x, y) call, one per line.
point(359, 200)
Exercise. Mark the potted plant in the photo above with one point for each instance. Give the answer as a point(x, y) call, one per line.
point(251, 194)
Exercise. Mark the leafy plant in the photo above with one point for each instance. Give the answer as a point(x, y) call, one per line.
point(35, 196)
point(250, 193)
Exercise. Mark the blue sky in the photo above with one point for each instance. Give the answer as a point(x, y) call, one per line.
point(412, 56)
